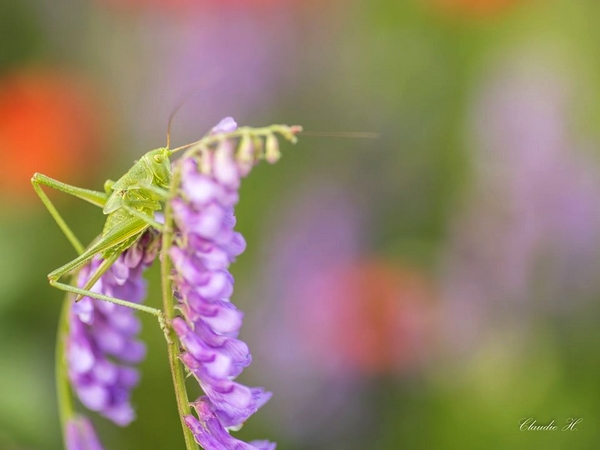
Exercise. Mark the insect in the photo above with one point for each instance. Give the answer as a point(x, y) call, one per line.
point(129, 205)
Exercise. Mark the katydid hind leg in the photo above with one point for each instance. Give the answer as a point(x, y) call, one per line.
point(96, 198)
point(38, 180)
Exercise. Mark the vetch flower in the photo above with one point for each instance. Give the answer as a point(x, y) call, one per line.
point(80, 435)
point(204, 246)
point(102, 343)
point(211, 435)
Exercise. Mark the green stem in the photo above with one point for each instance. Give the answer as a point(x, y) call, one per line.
point(65, 401)
point(287, 132)
point(177, 373)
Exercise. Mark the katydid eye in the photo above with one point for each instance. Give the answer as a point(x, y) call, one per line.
point(158, 159)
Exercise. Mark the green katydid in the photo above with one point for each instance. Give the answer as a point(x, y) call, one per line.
point(130, 204)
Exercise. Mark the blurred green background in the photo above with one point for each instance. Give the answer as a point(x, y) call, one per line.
point(428, 289)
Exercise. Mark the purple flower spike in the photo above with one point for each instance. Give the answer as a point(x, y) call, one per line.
point(204, 247)
point(102, 343)
point(80, 435)
point(211, 435)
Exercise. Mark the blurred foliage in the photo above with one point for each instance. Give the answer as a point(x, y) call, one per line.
point(409, 70)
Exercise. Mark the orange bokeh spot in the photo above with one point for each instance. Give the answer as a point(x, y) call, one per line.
point(371, 317)
point(48, 123)
point(475, 8)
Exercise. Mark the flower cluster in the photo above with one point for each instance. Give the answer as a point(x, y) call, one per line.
point(204, 247)
point(211, 434)
point(102, 344)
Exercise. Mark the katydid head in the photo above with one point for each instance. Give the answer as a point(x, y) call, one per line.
point(158, 161)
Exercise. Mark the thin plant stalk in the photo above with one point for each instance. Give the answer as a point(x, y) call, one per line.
point(177, 373)
point(65, 400)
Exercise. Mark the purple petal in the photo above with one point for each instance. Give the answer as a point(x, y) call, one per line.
point(80, 355)
point(226, 125)
point(94, 396)
point(80, 435)
point(201, 189)
point(121, 414)
point(225, 169)
point(210, 433)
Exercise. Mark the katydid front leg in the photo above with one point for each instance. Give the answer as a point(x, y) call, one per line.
point(111, 240)
point(117, 301)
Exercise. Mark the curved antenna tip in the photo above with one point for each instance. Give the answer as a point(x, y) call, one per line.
point(342, 134)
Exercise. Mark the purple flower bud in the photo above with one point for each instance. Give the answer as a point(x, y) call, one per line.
point(102, 340)
point(226, 125)
point(80, 435)
point(204, 247)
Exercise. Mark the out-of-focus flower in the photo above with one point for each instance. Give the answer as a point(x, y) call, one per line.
point(80, 435)
point(212, 71)
point(369, 317)
point(49, 123)
point(529, 235)
point(184, 6)
point(204, 247)
point(102, 344)
point(333, 319)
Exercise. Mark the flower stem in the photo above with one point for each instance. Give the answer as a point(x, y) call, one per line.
point(65, 401)
point(177, 373)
